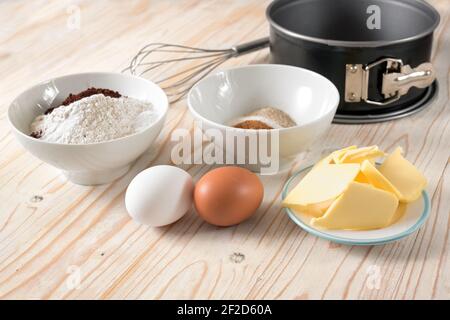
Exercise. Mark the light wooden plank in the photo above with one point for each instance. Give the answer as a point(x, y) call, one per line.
point(266, 257)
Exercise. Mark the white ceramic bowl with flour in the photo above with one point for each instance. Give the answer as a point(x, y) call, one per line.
point(92, 163)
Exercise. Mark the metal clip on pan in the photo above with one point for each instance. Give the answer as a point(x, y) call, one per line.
point(396, 82)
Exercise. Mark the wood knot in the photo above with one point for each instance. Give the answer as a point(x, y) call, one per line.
point(36, 198)
point(237, 257)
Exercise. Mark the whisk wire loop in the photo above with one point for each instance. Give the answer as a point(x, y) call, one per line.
point(188, 61)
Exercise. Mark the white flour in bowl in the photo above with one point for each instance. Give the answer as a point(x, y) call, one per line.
point(97, 118)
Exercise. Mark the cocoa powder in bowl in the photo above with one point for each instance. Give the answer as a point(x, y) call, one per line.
point(253, 124)
point(263, 119)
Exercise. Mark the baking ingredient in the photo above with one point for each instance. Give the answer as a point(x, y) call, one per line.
point(320, 186)
point(159, 196)
point(227, 196)
point(86, 93)
point(93, 119)
point(358, 155)
point(399, 213)
point(336, 156)
point(360, 207)
point(313, 210)
point(338, 197)
point(265, 118)
point(375, 178)
point(361, 178)
point(404, 176)
point(333, 157)
point(353, 154)
point(253, 125)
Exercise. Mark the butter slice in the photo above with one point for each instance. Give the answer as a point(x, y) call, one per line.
point(321, 184)
point(399, 213)
point(332, 157)
point(377, 179)
point(361, 154)
point(360, 207)
point(338, 154)
point(313, 210)
point(361, 178)
point(404, 176)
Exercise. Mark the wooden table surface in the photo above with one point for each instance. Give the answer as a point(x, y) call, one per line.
point(60, 240)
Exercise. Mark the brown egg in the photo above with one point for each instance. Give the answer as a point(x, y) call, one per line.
point(227, 196)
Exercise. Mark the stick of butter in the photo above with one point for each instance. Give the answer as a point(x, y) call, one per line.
point(404, 176)
point(321, 185)
point(360, 207)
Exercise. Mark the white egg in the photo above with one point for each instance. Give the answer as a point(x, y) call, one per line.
point(159, 195)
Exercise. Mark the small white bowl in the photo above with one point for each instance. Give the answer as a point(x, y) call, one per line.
point(87, 164)
point(308, 98)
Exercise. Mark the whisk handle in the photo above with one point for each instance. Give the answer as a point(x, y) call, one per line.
point(250, 46)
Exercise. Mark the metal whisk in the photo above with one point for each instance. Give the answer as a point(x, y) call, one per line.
point(190, 64)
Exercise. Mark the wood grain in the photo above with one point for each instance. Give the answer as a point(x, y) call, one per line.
point(49, 227)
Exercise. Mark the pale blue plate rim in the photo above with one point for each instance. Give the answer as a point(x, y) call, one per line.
point(348, 241)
